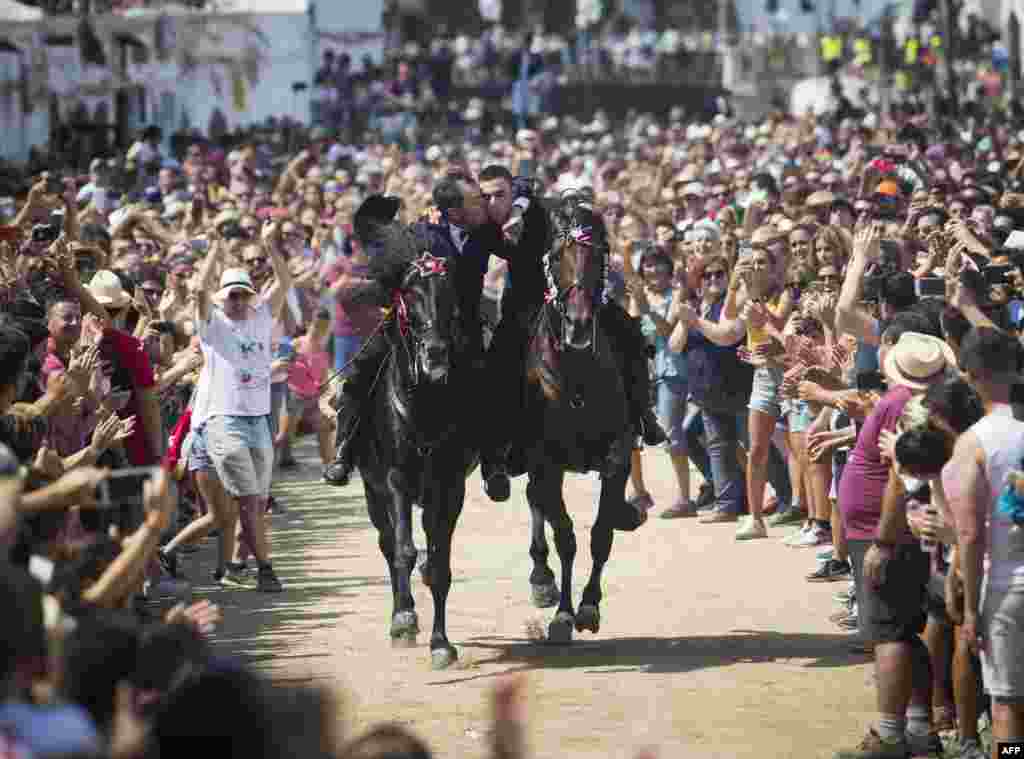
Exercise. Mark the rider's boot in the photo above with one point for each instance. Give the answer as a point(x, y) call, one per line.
point(339, 471)
point(625, 331)
point(356, 389)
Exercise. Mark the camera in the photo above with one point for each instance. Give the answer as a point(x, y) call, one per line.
point(930, 287)
point(232, 230)
point(45, 233)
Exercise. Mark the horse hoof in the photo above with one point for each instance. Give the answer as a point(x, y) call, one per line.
point(560, 629)
point(544, 596)
point(403, 640)
point(442, 658)
point(588, 618)
point(404, 627)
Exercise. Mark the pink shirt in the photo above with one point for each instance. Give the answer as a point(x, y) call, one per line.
point(307, 371)
point(867, 473)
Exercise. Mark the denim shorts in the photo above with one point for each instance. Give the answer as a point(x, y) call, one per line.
point(764, 394)
point(798, 414)
point(241, 450)
point(671, 408)
point(199, 457)
point(1002, 622)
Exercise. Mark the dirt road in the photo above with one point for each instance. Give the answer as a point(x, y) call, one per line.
point(708, 647)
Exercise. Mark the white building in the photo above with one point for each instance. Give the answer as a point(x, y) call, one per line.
point(169, 66)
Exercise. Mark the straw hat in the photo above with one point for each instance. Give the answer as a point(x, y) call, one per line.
point(106, 288)
point(918, 360)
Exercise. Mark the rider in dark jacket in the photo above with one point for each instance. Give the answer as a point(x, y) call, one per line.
point(465, 234)
point(527, 227)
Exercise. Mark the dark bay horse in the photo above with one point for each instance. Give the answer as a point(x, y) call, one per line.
point(414, 445)
point(577, 418)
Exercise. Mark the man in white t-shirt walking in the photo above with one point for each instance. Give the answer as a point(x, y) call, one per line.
point(976, 479)
point(232, 404)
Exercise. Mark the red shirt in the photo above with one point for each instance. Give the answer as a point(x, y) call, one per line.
point(132, 371)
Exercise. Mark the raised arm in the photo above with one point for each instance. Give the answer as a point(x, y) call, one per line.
point(208, 273)
point(282, 274)
point(851, 318)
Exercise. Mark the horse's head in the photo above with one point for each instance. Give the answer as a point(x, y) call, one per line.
point(428, 314)
point(580, 252)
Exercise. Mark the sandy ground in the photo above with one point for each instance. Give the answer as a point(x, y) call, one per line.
point(708, 647)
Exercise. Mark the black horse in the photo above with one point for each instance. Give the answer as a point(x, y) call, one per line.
point(577, 417)
point(414, 444)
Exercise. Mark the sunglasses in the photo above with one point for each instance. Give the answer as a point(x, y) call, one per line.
point(716, 274)
point(239, 295)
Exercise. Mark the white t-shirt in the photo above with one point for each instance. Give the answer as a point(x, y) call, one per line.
point(1002, 439)
point(235, 379)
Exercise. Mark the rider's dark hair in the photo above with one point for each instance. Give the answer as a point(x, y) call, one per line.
point(495, 171)
point(448, 193)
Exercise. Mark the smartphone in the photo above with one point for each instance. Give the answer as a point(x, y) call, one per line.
point(200, 245)
point(41, 568)
point(870, 381)
point(890, 251)
point(101, 200)
point(999, 274)
point(54, 185)
point(119, 398)
point(930, 287)
point(124, 487)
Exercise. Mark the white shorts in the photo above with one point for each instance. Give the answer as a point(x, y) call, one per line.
point(1002, 661)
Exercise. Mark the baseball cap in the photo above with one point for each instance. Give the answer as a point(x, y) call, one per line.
point(235, 279)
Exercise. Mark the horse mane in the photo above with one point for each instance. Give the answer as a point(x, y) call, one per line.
point(391, 253)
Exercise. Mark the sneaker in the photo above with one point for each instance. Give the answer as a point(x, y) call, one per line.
point(789, 516)
point(750, 529)
point(287, 462)
point(848, 622)
point(274, 506)
point(925, 745)
point(825, 553)
point(680, 510)
point(831, 571)
point(873, 747)
point(168, 590)
point(812, 538)
point(232, 578)
point(795, 537)
point(267, 581)
point(845, 596)
point(718, 516)
point(838, 616)
point(967, 748)
point(706, 497)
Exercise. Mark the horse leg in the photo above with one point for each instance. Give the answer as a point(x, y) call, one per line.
point(440, 516)
point(545, 493)
point(377, 507)
point(404, 622)
point(610, 502)
point(543, 588)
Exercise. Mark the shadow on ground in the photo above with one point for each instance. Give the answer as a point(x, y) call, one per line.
point(660, 655)
point(260, 629)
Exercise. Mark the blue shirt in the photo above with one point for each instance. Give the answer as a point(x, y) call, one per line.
point(715, 371)
point(668, 364)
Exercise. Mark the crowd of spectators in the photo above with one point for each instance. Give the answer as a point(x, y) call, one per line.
point(833, 307)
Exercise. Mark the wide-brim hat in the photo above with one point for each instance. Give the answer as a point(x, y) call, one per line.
point(918, 361)
point(105, 286)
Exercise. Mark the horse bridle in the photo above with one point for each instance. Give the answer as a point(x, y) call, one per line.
point(577, 235)
point(411, 339)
